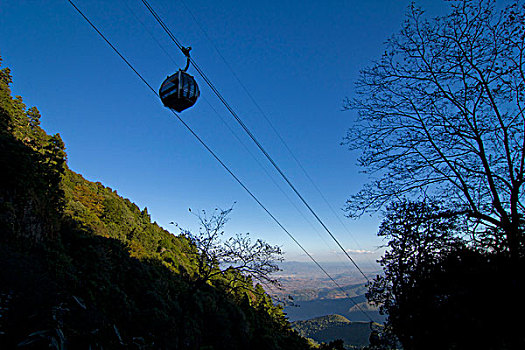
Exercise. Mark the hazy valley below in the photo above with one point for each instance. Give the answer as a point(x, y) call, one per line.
point(308, 293)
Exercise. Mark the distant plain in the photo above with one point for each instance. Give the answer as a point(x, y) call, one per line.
point(308, 293)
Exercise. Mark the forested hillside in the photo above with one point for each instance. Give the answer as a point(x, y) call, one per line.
point(327, 328)
point(82, 267)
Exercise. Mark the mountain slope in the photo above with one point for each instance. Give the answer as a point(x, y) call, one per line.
point(328, 328)
point(82, 267)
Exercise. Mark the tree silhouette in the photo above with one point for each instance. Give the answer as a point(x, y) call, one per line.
point(440, 292)
point(441, 114)
point(236, 257)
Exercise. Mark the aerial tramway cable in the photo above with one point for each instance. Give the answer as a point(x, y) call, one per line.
point(235, 135)
point(251, 135)
point(281, 139)
point(219, 160)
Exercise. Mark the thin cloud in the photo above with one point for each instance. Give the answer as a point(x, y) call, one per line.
point(359, 251)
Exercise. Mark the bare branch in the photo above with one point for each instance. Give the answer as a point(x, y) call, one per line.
point(235, 258)
point(441, 114)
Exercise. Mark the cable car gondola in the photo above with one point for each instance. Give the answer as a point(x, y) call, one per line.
point(180, 90)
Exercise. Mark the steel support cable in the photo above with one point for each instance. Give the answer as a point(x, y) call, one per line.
point(236, 136)
point(270, 159)
point(250, 134)
point(137, 18)
point(261, 111)
point(218, 159)
point(276, 132)
point(267, 173)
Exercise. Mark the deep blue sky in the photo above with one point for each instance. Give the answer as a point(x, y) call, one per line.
point(299, 60)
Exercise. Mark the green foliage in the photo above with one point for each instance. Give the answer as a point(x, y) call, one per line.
point(32, 164)
point(82, 267)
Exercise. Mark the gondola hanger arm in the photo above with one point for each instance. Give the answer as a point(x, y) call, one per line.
point(186, 52)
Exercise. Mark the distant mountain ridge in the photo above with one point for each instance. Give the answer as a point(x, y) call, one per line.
point(308, 303)
point(309, 293)
point(353, 290)
point(332, 327)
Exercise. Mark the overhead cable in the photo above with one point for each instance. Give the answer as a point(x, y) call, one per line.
point(263, 114)
point(219, 160)
point(236, 136)
point(249, 133)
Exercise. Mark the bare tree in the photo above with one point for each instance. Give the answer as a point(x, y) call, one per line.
point(234, 257)
point(441, 114)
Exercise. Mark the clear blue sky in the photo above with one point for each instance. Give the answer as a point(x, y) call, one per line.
point(299, 60)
